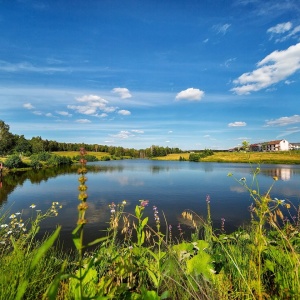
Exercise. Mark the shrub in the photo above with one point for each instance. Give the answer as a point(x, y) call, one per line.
point(14, 161)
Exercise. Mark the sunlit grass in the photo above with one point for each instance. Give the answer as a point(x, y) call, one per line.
point(72, 154)
point(286, 157)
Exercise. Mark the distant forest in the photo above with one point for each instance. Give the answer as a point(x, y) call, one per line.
point(12, 143)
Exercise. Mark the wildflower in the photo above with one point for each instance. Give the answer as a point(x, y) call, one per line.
point(124, 202)
point(243, 179)
point(281, 202)
point(83, 206)
point(275, 178)
point(144, 203)
point(3, 225)
point(112, 207)
point(130, 247)
point(9, 232)
point(17, 213)
point(82, 196)
point(82, 221)
point(207, 199)
point(12, 216)
point(32, 206)
point(288, 205)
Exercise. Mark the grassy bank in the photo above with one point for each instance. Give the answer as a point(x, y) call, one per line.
point(135, 261)
point(287, 157)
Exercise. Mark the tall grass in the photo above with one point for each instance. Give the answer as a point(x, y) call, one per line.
point(135, 261)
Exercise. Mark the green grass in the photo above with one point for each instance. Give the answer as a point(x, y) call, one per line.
point(135, 261)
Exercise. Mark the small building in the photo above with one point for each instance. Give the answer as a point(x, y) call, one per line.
point(271, 146)
point(295, 146)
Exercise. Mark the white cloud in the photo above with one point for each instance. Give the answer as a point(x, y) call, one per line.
point(283, 31)
point(137, 131)
point(28, 106)
point(222, 29)
point(190, 94)
point(288, 82)
point(280, 28)
point(122, 92)
point(48, 115)
point(64, 113)
point(228, 62)
point(27, 67)
point(237, 124)
point(275, 67)
point(83, 121)
point(38, 113)
point(283, 121)
point(124, 134)
point(93, 105)
point(124, 112)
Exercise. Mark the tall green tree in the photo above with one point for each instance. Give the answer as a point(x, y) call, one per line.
point(6, 139)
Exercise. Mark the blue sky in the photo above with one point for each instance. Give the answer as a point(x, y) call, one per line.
point(188, 74)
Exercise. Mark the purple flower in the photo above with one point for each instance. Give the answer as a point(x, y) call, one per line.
point(207, 199)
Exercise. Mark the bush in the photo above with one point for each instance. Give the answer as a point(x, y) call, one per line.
point(14, 161)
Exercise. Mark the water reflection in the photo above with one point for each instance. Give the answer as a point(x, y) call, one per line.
point(171, 186)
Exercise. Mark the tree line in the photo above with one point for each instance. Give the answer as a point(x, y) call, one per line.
point(13, 143)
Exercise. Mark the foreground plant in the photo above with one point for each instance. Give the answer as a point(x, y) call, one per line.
point(23, 260)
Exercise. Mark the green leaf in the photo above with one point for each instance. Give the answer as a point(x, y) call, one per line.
point(137, 211)
point(200, 264)
point(144, 222)
point(96, 241)
point(76, 238)
point(153, 277)
point(44, 248)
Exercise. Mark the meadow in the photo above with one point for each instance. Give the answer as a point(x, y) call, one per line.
point(132, 260)
point(284, 157)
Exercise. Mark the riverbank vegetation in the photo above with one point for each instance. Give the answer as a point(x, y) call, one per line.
point(283, 157)
point(132, 260)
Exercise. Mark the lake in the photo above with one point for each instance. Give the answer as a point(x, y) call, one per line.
point(172, 186)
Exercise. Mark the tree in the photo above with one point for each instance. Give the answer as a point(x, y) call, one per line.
point(6, 139)
point(245, 146)
point(22, 145)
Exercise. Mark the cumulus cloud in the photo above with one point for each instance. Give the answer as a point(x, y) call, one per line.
point(83, 121)
point(275, 67)
point(123, 134)
point(237, 124)
point(122, 92)
point(28, 106)
point(283, 121)
point(190, 94)
point(124, 112)
point(92, 105)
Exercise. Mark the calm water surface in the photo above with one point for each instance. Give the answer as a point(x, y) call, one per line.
point(171, 186)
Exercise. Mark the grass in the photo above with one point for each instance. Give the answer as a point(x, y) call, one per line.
point(72, 154)
point(285, 157)
point(135, 261)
